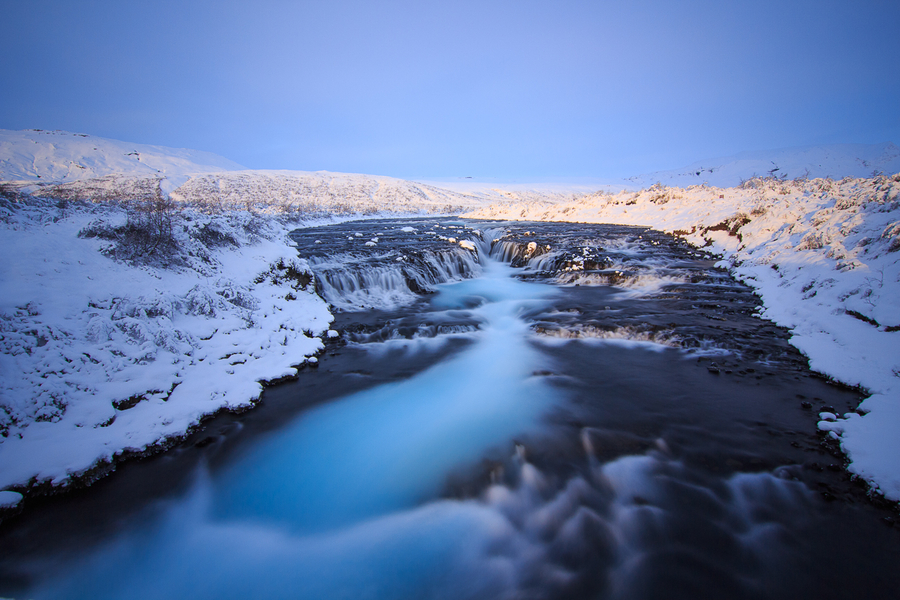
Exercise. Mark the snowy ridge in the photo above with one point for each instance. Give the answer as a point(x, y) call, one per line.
point(836, 161)
point(317, 193)
point(276, 192)
point(824, 256)
point(61, 157)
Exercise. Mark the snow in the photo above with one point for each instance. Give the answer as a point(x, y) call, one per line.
point(63, 157)
point(101, 357)
point(321, 193)
point(811, 162)
point(102, 354)
point(823, 256)
point(10, 499)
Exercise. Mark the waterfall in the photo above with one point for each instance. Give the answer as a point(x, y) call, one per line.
point(353, 282)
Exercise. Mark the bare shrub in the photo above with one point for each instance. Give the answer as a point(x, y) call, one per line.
point(147, 235)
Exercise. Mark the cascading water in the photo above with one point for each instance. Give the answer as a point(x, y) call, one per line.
point(607, 420)
point(352, 282)
point(355, 272)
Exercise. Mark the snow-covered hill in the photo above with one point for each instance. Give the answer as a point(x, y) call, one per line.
point(75, 166)
point(835, 161)
point(61, 157)
point(79, 166)
point(318, 193)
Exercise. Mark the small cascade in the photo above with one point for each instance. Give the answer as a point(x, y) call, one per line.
point(540, 256)
point(518, 254)
point(386, 264)
point(351, 282)
point(627, 261)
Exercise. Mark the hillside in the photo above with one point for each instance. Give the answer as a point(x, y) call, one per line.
point(60, 157)
point(835, 161)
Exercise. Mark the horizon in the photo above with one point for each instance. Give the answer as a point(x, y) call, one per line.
point(830, 160)
point(505, 91)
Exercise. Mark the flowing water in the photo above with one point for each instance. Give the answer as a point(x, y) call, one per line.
point(511, 411)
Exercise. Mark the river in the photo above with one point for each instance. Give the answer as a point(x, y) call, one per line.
point(512, 410)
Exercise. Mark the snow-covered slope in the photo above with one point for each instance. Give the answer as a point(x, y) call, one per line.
point(59, 156)
point(835, 161)
point(283, 192)
point(318, 193)
point(105, 351)
point(825, 258)
point(75, 166)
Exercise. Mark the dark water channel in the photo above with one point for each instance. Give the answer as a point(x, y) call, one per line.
point(512, 410)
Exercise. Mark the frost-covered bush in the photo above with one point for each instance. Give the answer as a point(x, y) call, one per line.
point(146, 237)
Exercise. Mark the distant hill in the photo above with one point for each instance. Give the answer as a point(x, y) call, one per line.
point(835, 161)
point(84, 165)
point(63, 157)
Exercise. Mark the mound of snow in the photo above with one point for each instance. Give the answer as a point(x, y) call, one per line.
point(61, 157)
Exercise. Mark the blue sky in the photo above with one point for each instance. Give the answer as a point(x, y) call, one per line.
point(508, 89)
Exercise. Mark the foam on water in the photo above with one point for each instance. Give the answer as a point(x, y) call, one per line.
point(388, 448)
point(613, 529)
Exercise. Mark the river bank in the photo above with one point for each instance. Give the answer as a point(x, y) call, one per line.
point(822, 255)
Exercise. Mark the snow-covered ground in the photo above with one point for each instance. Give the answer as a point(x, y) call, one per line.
point(61, 157)
point(111, 343)
point(101, 356)
point(824, 256)
point(320, 193)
